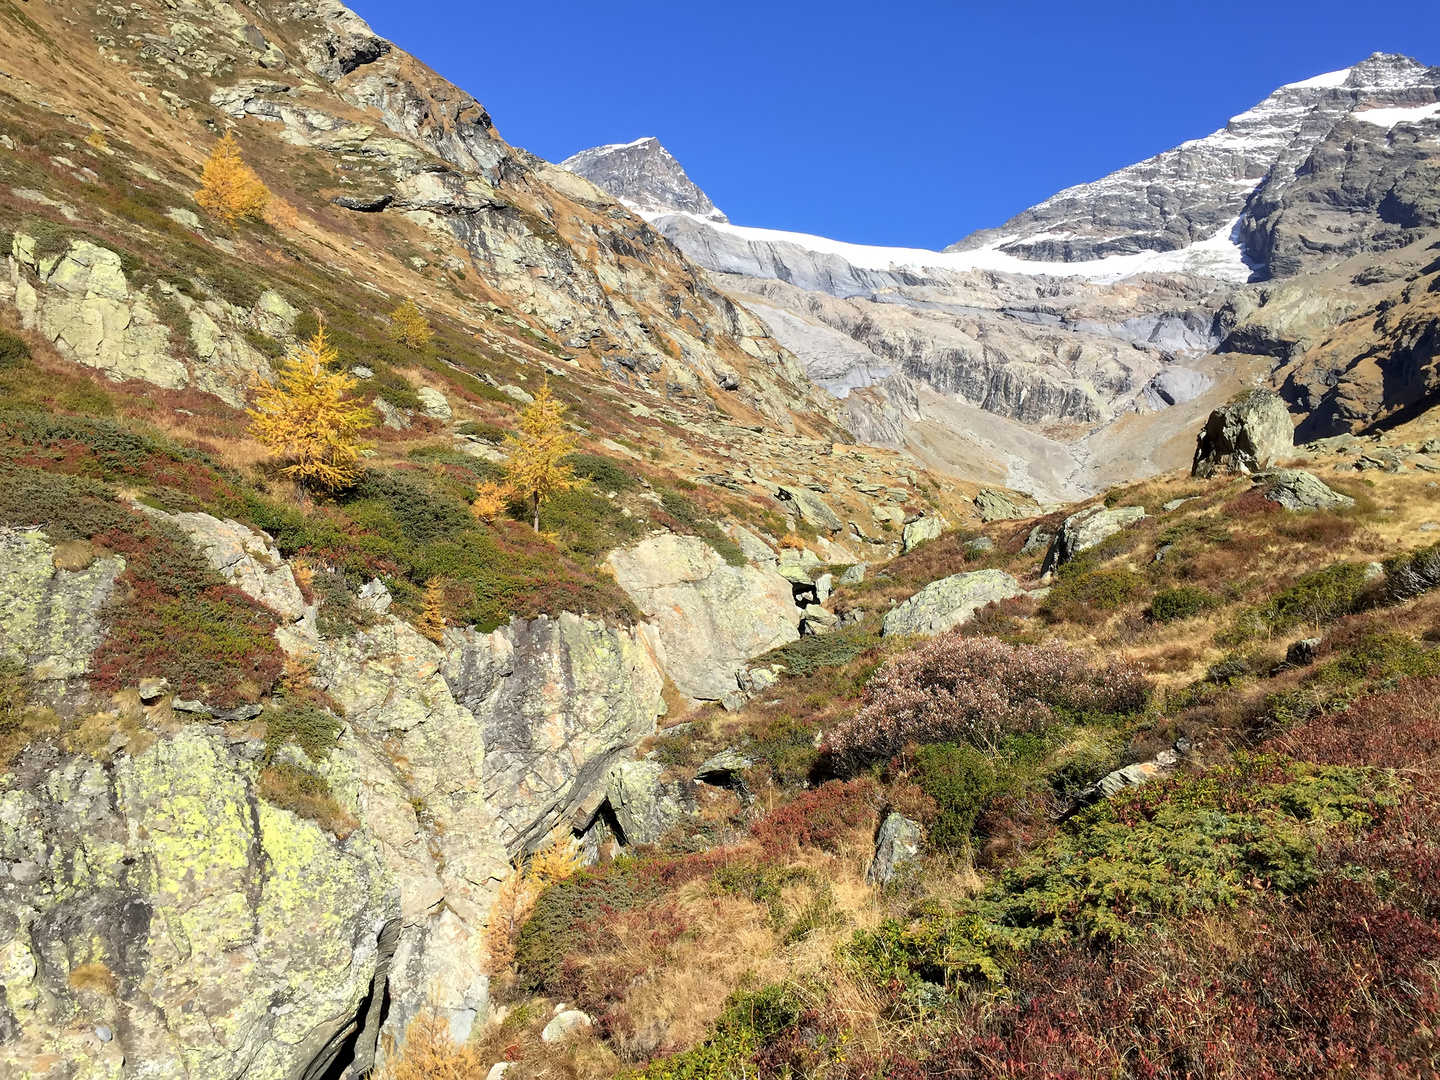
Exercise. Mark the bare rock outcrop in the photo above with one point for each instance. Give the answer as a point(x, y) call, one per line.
point(159, 898)
point(1244, 436)
point(709, 618)
point(560, 700)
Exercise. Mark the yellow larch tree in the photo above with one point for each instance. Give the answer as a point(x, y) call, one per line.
point(490, 500)
point(536, 469)
point(431, 623)
point(229, 188)
point(408, 326)
point(308, 418)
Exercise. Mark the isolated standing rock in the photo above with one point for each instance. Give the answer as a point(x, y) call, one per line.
point(950, 601)
point(710, 618)
point(897, 843)
point(918, 531)
point(1244, 436)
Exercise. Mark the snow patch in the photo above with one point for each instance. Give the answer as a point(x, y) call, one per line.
point(1388, 118)
point(1329, 79)
point(1218, 256)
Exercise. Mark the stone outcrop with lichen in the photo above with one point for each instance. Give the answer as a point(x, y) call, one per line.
point(160, 919)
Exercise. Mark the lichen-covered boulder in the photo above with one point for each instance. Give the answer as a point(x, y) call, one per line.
point(434, 403)
point(918, 531)
point(1088, 528)
point(997, 506)
point(645, 807)
point(897, 843)
point(812, 509)
point(159, 898)
point(1296, 489)
point(1244, 436)
point(50, 606)
point(558, 700)
point(710, 618)
point(949, 602)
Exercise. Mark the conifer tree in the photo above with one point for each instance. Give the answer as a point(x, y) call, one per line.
point(431, 623)
point(536, 469)
point(309, 420)
point(490, 500)
point(229, 188)
point(408, 326)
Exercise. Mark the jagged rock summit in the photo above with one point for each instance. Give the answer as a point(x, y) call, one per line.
point(645, 177)
point(1202, 187)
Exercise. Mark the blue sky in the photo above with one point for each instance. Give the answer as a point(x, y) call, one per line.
point(904, 123)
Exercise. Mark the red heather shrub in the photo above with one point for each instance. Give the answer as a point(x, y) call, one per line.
point(180, 621)
point(979, 690)
point(1395, 730)
point(819, 818)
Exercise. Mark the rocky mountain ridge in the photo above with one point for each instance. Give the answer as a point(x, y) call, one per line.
point(1115, 300)
point(645, 177)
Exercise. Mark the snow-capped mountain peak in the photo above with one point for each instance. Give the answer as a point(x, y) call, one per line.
point(645, 177)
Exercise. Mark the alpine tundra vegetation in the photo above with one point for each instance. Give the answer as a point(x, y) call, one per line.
point(467, 617)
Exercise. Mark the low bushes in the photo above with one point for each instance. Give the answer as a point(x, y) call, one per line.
point(1180, 602)
point(1188, 845)
point(567, 914)
point(979, 690)
point(1085, 598)
point(173, 617)
point(821, 818)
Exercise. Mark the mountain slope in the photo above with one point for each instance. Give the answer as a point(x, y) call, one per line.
point(1117, 299)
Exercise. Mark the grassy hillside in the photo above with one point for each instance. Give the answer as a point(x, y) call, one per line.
point(1266, 908)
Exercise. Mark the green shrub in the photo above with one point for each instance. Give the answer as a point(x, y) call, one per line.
point(750, 1019)
point(492, 433)
point(606, 474)
point(1078, 596)
point(14, 351)
point(787, 745)
point(959, 778)
point(1189, 845)
point(814, 652)
point(1180, 602)
point(1377, 656)
point(308, 727)
point(1318, 597)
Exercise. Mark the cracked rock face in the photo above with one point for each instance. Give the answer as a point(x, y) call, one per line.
point(158, 896)
point(710, 618)
point(559, 700)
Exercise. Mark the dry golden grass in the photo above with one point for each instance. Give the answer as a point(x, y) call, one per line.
point(94, 977)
